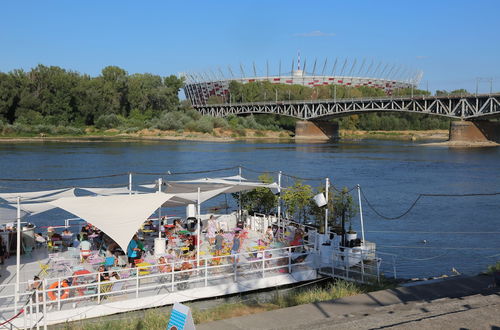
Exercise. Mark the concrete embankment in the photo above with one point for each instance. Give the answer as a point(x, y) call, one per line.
point(451, 303)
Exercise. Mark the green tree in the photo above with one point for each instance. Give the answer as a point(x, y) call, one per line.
point(261, 199)
point(297, 199)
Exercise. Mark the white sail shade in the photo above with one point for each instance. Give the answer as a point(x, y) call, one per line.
point(119, 216)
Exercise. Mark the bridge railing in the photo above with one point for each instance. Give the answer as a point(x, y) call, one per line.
point(352, 99)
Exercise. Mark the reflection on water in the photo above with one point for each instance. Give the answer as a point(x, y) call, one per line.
point(392, 174)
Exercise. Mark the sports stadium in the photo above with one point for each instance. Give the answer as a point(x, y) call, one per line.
point(199, 87)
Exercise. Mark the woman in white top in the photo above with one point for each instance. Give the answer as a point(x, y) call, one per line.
point(211, 230)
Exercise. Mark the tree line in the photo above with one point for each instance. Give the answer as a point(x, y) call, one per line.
point(52, 95)
point(53, 100)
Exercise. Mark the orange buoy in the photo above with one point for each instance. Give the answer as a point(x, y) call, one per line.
point(53, 294)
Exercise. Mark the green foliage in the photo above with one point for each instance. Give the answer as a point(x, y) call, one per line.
point(50, 95)
point(343, 204)
point(297, 199)
point(260, 200)
point(494, 268)
point(109, 121)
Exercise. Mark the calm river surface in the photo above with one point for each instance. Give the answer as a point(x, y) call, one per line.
point(461, 232)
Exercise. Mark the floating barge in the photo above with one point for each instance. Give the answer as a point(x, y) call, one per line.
point(69, 290)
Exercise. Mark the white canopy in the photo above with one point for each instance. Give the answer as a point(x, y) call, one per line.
point(119, 216)
point(108, 191)
point(34, 208)
point(192, 197)
point(9, 214)
point(38, 195)
point(208, 184)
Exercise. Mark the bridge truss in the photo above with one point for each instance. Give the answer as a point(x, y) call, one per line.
point(467, 107)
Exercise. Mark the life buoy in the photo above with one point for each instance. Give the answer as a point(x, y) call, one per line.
point(53, 294)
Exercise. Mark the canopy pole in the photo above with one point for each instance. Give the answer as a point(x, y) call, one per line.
point(160, 182)
point(279, 203)
point(18, 252)
point(159, 222)
point(130, 183)
point(361, 215)
point(240, 209)
point(198, 231)
point(327, 184)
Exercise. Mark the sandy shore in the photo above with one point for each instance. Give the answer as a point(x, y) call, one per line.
point(411, 135)
point(463, 144)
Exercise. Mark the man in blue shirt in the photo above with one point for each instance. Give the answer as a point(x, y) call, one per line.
point(133, 251)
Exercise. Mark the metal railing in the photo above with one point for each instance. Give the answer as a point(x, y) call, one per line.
point(89, 290)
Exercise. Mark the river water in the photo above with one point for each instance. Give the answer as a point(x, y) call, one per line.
point(460, 232)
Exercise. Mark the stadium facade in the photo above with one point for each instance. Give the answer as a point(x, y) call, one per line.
point(199, 87)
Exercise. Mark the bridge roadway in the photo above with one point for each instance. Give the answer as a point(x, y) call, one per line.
point(466, 107)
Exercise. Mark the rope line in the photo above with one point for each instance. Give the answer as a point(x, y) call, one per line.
point(12, 318)
point(63, 179)
point(417, 199)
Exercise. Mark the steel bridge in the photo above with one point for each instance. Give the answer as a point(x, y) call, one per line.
point(466, 107)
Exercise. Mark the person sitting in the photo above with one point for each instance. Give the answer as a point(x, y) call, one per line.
point(114, 277)
point(39, 239)
point(178, 226)
point(50, 232)
point(103, 274)
point(268, 236)
point(36, 286)
point(163, 266)
point(85, 247)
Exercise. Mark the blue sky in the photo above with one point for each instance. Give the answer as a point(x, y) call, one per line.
point(453, 42)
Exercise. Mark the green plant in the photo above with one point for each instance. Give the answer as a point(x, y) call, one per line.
point(297, 200)
point(261, 200)
point(494, 268)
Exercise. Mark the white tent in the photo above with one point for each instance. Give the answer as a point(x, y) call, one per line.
point(38, 196)
point(209, 184)
point(108, 191)
point(119, 216)
point(8, 214)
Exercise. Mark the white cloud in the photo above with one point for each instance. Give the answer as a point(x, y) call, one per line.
point(316, 33)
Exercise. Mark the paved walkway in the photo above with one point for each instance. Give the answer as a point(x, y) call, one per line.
point(459, 302)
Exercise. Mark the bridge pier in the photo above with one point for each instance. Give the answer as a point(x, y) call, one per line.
point(316, 130)
point(474, 131)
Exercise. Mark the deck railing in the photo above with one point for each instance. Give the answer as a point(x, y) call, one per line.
point(147, 281)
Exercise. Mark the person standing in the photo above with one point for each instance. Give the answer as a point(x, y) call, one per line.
point(219, 239)
point(211, 230)
point(235, 249)
point(133, 251)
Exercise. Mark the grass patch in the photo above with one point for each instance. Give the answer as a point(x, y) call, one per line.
point(158, 318)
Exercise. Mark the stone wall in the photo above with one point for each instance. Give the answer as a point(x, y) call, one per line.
point(317, 130)
point(475, 131)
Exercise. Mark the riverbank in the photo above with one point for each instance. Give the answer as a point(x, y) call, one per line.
point(220, 135)
point(224, 308)
point(411, 135)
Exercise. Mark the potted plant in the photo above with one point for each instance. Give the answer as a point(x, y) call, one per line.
point(351, 234)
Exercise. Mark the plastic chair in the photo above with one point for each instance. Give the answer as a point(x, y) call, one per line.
point(44, 269)
point(28, 250)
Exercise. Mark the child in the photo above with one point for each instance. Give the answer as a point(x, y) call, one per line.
point(219, 239)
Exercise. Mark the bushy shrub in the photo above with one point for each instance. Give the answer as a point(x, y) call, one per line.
point(109, 121)
point(220, 122)
point(172, 121)
point(204, 124)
